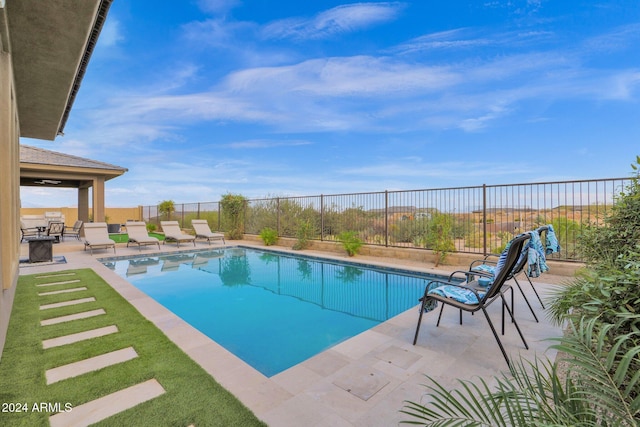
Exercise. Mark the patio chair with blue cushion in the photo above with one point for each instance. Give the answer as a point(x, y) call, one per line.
point(476, 295)
point(172, 233)
point(534, 259)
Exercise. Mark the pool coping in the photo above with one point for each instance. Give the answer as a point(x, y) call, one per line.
point(381, 362)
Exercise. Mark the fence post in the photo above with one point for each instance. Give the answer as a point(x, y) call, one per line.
point(198, 211)
point(219, 217)
point(278, 215)
point(386, 218)
point(484, 219)
point(321, 217)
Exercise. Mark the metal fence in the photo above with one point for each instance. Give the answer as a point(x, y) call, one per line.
point(478, 219)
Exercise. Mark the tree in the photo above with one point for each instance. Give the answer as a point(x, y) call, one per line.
point(166, 208)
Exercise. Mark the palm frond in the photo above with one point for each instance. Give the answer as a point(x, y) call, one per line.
point(601, 388)
point(607, 377)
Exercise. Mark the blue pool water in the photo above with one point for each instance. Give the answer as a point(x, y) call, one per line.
point(271, 309)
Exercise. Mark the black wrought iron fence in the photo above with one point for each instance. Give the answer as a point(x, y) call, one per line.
point(478, 219)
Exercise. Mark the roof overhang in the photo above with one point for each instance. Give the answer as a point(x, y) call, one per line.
point(51, 43)
point(45, 168)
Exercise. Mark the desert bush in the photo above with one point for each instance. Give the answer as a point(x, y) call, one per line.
point(269, 236)
point(233, 208)
point(306, 231)
point(350, 242)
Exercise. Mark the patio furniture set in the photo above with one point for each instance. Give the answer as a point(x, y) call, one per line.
point(486, 281)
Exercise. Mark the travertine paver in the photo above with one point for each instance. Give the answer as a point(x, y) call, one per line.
point(104, 407)
point(92, 364)
point(67, 303)
point(80, 336)
point(70, 317)
point(362, 382)
point(62, 291)
point(398, 356)
point(58, 283)
point(55, 275)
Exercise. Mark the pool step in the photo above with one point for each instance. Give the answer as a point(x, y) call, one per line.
point(111, 404)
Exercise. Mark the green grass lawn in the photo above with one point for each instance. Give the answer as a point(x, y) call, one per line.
point(192, 396)
point(124, 237)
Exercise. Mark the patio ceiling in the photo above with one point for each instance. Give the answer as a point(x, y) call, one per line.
point(50, 43)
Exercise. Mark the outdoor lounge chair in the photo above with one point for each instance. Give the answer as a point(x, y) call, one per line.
point(471, 296)
point(96, 236)
point(201, 227)
point(138, 235)
point(73, 231)
point(173, 233)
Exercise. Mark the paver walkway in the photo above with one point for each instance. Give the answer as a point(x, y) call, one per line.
point(106, 406)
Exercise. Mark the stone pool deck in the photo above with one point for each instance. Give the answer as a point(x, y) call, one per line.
point(363, 381)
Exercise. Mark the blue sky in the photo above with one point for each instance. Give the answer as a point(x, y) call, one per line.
point(263, 98)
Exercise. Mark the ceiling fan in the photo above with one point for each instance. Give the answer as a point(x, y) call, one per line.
point(47, 181)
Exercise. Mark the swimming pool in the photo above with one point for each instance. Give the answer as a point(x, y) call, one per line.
point(272, 309)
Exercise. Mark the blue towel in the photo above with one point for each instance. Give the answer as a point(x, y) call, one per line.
point(537, 262)
point(552, 241)
point(430, 304)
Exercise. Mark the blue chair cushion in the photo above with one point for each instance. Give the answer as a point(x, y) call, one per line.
point(462, 295)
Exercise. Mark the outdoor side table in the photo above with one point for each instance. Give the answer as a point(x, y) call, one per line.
point(41, 249)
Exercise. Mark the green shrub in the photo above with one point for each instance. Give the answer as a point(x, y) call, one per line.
point(350, 242)
point(438, 236)
point(233, 208)
point(151, 228)
point(269, 236)
point(305, 232)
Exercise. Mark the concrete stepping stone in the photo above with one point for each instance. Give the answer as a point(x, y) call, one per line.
point(66, 282)
point(70, 317)
point(67, 303)
point(80, 336)
point(111, 404)
point(63, 291)
point(55, 275)
point(88, 365)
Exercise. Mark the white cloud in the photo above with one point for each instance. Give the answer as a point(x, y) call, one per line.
point(218, 6)
point(339, 20)
point(111, 33)
point(264, 143)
